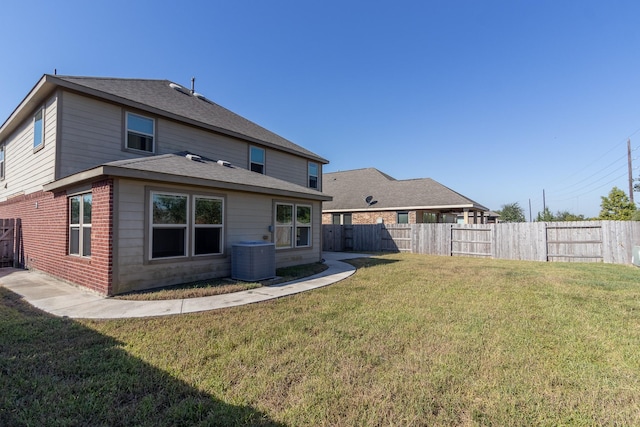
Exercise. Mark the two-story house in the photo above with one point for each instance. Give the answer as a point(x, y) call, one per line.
point(129, 184)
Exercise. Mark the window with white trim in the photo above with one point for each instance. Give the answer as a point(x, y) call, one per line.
point(292, 218)
point(2, 161)
point(38, 129)
point(303, 226)
point(313, 175)
point(169, 213)
point(140, 133)
point(80, 225)
point(185, 225)
point(284, 225)
point(256, 159)
point(207, 225)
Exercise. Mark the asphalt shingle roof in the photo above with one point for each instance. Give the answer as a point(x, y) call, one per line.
point(158, 96)
point(349, 190)
point(177, 168)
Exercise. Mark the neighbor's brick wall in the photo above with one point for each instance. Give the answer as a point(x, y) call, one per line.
point(389, 217)
point(45, 231)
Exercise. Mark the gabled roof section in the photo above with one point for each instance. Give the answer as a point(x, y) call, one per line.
point(177, 168)
point(159, 97)
point(350, 189)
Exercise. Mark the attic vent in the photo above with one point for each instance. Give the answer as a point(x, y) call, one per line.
point(179, 88)
point(194, 157)
point(224, 163)
point(201, 97)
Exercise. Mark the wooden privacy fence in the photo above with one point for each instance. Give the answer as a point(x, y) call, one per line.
point(583, 241)
point(7, 242)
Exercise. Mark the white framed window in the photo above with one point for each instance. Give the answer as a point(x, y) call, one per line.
point(168, 236)
point(208, 225)
point(313, 175)
point(284, 225)
point(38, 129)
point(256, 159)
point(140, 133)
point(2, 161)
point(303, 226)
point(184, 225)
point(80, 224)
point(292, 218)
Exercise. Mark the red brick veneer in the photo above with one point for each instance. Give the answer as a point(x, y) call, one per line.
point(44, 234)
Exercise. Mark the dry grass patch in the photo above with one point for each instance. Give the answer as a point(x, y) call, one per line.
point(205, 288)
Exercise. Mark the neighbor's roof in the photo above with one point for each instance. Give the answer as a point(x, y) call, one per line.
point(178, 169)
point(349, 190)
point(157, 97)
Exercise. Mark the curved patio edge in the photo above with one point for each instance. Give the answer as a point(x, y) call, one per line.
point(62, 299)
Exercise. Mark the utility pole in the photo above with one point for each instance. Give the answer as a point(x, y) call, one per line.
point(544, 203)
point(630, 170)
point(530, 220)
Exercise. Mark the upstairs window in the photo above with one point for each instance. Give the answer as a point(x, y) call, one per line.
point(140, 133)
point(313, 175)
point(2, 161)
point(256, 159)
point(38, 129)
point(80, 225)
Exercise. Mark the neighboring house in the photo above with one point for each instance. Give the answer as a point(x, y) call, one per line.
point(490, 217)
point(127, 184)
point(368, 196)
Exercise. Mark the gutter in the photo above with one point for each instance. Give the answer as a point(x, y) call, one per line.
point(106, 171)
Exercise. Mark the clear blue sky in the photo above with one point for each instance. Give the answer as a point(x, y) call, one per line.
point(497, 100)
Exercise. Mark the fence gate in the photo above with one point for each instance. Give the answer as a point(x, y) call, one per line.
point(7, 240)
point(396, 238)
point(574, 243)
point(474, 242)
point(347, 241)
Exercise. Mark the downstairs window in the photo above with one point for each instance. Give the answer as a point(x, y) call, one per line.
point(80, 225)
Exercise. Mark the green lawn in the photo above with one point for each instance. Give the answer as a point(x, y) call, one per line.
point(408, 340)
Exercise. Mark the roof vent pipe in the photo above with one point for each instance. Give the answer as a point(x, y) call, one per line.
point(193, 84)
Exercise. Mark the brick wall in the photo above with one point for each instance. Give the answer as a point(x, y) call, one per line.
point(44, 231)
point(388, 217)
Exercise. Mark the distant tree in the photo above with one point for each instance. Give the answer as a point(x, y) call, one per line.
point(548, 216)
point(616, 206)
point(545, 216)
point(568, 216)
point(511, 212)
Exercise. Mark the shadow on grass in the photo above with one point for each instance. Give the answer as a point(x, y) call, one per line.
point(54, 371)
point(369, 262)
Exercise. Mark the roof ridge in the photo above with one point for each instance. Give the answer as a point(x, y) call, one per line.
point(64, 76)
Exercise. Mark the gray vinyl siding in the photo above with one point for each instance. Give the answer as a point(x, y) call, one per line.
point(174, 137)
point(287, 167)
point(91, 134)
point(247, 218)
point(26, 170)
